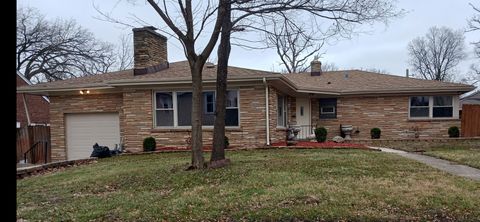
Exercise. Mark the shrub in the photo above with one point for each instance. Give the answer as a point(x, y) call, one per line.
point(375, 133)
point(226, 142)
point(321, 134)
point(149, 144)
point(453, 131)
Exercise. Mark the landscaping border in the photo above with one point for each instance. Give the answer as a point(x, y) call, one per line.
point(33, 170)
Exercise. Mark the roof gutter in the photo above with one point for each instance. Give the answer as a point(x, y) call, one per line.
point(158, 82)
point(267, 119)
point(61, 89)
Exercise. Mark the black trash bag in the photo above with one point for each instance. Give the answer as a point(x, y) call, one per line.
point(100, 151)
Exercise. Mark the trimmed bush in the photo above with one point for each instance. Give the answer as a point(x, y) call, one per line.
point(375, 133)
point(453, 131)
point(226, 142)
point(321, 134)
point(149, 144)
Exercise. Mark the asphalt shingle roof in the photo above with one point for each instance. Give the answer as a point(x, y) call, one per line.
point(356, 80)
point(346, 81)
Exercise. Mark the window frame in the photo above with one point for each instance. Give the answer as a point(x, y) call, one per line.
point(175, 108)
point(205, 102)
point(323, 112)
point(410, 108)
point(284, 113)
point(327, 102)
point(232, 107)
point(155, 109)
point(434, 106)
point(455, 109)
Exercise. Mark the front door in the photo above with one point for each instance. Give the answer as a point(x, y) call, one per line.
point(303, 117)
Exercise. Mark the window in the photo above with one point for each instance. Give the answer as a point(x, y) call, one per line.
point(184, 108)
point(442, 106)
point(164, 109)
point(175, 109)
point(419, 106)
point(231, 115)
point(281, 111)
point(328, 108)
point(209, 101)
point(431, 107)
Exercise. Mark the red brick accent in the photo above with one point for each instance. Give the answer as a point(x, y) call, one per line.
point(38, 107)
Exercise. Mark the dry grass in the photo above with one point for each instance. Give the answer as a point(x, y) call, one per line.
point(259, 185)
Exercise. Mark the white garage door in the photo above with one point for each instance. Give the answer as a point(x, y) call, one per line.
point(84, 130)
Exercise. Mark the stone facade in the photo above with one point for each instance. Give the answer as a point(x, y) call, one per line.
point(135, 108)
point(389, 113)
point(61, 105)
point(251, 132)
point(150, 48)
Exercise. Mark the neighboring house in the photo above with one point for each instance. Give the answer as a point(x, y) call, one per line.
point(154, 99)
point(31, 109)
point(473, 98)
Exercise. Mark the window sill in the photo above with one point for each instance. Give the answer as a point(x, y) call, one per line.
point(280, 128)
point(432, 119)
point(209, 129)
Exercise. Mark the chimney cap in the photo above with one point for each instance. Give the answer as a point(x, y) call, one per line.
point(149, 29)
point(315, 67)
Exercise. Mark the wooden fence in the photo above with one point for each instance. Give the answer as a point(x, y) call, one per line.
point(470, 120)
point(35, 142)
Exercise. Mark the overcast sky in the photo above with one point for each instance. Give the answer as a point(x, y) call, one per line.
point(383, 47)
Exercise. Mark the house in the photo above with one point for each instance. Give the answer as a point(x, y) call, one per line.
point(473, 98)
point(31, 109)
point(154, 99)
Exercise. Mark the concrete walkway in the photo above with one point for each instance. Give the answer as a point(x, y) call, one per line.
point(445, 165)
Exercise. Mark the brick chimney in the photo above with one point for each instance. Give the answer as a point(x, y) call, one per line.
point(149, 51)
point(315, 67)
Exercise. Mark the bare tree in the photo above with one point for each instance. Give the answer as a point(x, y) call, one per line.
point(190, 25)
point(436, 55)
point(474, 26)
point(251, 15)
point(474, 22)
point(124, 53)
point(48, 51)
point(185, 32)
point(329, 66)
point(293, 44)
point(375, 70)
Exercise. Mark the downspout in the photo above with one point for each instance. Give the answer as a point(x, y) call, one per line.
point(26, 109)
point(267, 119)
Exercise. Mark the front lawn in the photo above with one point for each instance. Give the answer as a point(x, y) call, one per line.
point(280, 184)
point(463, 155)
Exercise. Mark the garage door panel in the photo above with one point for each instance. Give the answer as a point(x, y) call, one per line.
point(84, 130)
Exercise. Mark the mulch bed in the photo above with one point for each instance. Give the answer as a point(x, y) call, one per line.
point(300, 144)
point(323, 145)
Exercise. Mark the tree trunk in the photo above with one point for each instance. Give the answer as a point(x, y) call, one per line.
point(197, 152)
point(218, 151)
